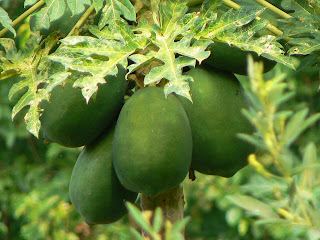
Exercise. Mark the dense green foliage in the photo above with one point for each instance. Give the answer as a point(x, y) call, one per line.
point(152, 143)
point(276, 197)
point(68, 120)
point(215, 118)
point(233, 59)
point(94, 188)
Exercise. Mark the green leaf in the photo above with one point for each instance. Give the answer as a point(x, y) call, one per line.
point(78, 6)
point(53, 10)
point(88, 85)
point(6, 22)
point(136, 234)
point(253, 141)
point(137, 216)
point(173, 53)
point(310, 173)
point(180, 225)
point(254, 206)
point(100, 56)
point(230, 21)
point(98, 4)
point(29, 2)
point(114, 9)
point(305, 46)
point(157, 220)
point(28, 64)
point(297, 124)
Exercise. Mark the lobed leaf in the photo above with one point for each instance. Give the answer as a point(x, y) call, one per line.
point(6, 22)
point(112, 11)
point(78, 6)
point(230, 21)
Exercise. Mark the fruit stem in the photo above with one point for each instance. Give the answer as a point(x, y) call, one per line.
point(23, 16)
point(171, 203)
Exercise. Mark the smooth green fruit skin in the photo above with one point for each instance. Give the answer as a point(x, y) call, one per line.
point(152, 145)
point(69, 121)
point(94, 189)
point(233, 59)
point(215, 118)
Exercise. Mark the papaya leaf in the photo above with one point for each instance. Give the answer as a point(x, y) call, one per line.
point(302, 27)
point(6, 22)
point(305, 46)
point(300, 8)
point(97, 57)
point(239, 28)
point(267, 46)
point(98, 4)
point(114, 9)
point(77, 6)
point(53, 10)
point(28, 3)
point(174, 53)
point(230, 21)
point(27, 63)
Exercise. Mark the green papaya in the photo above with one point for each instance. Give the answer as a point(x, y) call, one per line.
point(215, 118)
point(94, 188)
point(152, 145)
point(233, 59)
point(68, 120)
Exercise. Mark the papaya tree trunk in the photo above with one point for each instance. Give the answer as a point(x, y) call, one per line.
point(171, 202)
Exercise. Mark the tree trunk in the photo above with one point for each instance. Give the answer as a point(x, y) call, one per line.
point(171, 202)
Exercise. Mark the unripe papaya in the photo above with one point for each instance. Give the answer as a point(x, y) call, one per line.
point(233, 59)
point(94, 189)
point(152, 145)
point(215, 118)
point(68, 120)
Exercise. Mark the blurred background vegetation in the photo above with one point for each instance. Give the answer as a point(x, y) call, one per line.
point(34, 178)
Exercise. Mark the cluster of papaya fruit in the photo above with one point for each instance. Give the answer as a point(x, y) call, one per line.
point(149, 143)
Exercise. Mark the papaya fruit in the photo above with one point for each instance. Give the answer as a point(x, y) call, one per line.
point(233, 59)
point(215, 118)
point(94, 188)
point(152, 145)
point(69, 121)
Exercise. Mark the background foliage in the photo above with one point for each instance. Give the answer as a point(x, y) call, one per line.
point(259, 202)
